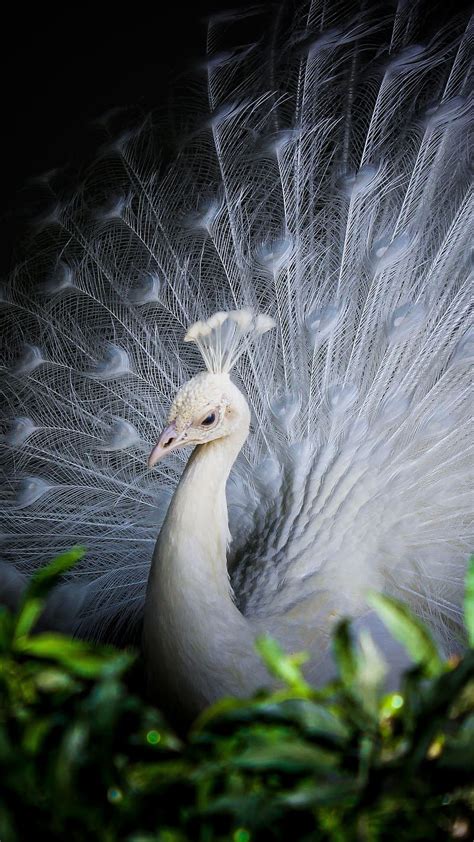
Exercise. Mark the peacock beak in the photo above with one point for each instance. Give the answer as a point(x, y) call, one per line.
point(170, 439)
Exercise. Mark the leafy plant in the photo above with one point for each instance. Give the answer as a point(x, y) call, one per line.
point(84, 756)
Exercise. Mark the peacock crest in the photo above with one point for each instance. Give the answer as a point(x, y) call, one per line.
point(224, 337)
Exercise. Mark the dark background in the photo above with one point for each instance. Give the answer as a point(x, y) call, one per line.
point(63, 67)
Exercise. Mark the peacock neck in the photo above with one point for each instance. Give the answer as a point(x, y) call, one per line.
point(194, 634)
point(192, 547)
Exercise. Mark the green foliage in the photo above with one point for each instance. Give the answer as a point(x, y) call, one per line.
point(469, 603)
point(83, 756)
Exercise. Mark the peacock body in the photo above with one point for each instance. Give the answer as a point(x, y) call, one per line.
point(328, 189)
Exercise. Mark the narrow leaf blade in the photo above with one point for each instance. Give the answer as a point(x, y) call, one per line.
point(409, 631)
point(469, 603)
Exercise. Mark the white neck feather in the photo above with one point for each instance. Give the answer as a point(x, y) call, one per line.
point(197, 644)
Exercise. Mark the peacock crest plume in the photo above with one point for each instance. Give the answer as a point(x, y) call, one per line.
point(322, 186)
point(224, 337)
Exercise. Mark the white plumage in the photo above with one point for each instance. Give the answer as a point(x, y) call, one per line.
point(328, 190)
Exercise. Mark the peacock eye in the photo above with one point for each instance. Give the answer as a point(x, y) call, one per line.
point(208, 420)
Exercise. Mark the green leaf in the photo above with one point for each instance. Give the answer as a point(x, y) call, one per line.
point(81, 659)
point(42, 581)
point(6, 628)
point(54, 680)
point(35, 733)
point(469, 603)
point(225, 708)
point(314, 718)
point(283, 666)
point(371, 672)
point(71, 755)
point(409, 631)
point(344, 653)
point(39, 586)
point(361, 667)
point(309, 795)
point(27, 616)
point(289, 756)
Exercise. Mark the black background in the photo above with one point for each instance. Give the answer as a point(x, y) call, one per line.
point(63, 67)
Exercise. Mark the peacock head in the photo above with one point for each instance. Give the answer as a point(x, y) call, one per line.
point(210, 406)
